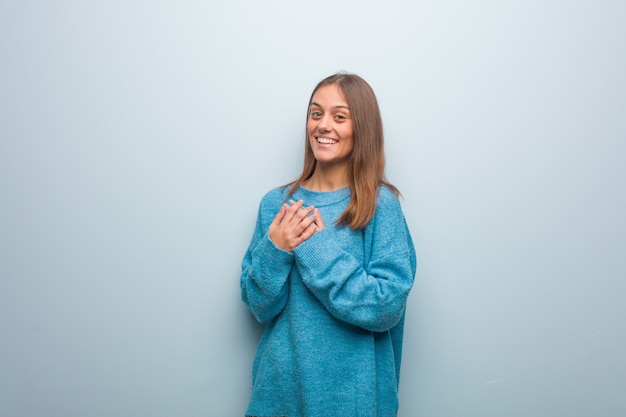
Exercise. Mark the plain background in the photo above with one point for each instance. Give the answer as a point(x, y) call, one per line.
point(137, 138)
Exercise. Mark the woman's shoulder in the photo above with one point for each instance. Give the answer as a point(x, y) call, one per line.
point(387, 196)
point(388, 205)
point(275, 196)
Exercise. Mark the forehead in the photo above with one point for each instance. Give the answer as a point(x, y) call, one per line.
point(329, 95)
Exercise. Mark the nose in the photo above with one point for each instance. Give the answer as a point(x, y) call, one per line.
point(324, 124)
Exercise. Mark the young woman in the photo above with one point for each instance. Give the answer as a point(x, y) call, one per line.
point(329, 269)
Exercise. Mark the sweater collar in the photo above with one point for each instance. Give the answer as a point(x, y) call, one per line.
point(320, 198)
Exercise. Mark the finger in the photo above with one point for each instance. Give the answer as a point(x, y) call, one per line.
point(304, 213)
point(308, 232)
point(319, 222)
point(276, 232)
point(304, 220)
point(300, 214)
point(293, 208)
point(279, 216)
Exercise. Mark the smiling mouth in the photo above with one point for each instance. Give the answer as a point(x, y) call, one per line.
point(326, 141)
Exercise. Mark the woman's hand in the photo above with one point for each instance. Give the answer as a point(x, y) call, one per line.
point(294, 224)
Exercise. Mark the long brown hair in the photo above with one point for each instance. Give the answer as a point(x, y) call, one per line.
point(366, 167)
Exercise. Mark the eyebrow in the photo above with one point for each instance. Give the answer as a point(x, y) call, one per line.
point(334, 107)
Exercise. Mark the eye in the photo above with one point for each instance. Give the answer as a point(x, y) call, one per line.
point(316, 114)
point(340, 117)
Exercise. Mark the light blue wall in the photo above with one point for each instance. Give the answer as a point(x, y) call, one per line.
point(136, 139)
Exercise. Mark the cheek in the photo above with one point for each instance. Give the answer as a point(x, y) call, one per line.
point(348, 133)
point(310, 127)
point(350, 146)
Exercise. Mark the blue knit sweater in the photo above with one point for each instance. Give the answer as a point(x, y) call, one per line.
point(334, 310)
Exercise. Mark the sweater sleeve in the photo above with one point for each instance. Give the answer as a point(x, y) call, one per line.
point(265, 271)
point(370, 294)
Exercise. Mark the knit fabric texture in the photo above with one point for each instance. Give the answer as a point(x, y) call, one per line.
point(334, 311)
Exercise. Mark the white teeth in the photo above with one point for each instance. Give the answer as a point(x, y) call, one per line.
point(326, 141)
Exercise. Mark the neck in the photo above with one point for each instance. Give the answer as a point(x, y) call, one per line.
point(327, 179)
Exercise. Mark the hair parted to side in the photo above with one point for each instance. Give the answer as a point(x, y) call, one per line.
point(366, 168)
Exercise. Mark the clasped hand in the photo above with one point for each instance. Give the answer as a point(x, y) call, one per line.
point(294, 224)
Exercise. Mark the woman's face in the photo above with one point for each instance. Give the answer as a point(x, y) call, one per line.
point(330, 126)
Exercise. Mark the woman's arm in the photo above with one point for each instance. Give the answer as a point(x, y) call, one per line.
point(265, 271)
point(370, 294)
